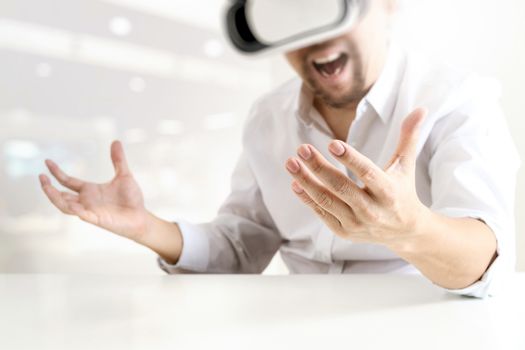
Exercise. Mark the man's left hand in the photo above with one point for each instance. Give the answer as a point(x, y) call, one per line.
point(385, 210)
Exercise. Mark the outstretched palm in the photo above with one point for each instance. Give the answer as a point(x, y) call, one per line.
point(117, 206)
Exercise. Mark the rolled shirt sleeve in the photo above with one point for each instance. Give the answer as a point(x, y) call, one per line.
point(473, 170)
point(241, 239)
point(195, 250)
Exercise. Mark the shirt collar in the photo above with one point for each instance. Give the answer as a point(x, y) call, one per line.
point(382, 96)
point(384, 93)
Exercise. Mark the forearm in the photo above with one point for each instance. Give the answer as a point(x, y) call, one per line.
point(163, 237)
point(452, 252)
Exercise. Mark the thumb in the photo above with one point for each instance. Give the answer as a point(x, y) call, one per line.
point(119, 159)
point(405, 153)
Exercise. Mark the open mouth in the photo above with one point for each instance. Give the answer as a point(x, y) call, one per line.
point(332, 65)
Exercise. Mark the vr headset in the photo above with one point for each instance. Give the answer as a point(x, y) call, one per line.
point(256, 27)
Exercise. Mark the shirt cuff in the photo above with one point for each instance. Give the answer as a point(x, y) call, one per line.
point(491, 281)
point(195, 250)
point(485, 286)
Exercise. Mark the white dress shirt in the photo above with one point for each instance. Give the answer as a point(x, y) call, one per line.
point(466, 167)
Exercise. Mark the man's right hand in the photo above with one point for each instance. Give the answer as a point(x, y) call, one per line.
point(117, 206)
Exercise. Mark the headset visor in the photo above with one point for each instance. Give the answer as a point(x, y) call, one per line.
point(255, 26)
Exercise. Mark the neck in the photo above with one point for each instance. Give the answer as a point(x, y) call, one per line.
point(338, 119)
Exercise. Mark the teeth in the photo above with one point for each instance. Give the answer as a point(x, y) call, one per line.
point(328, 59)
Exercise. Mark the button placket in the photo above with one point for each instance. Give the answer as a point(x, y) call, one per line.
point(353, 134)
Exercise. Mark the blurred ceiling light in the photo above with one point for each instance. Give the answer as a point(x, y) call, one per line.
point(135, 135)
point(213, 48)
point(21, 149)
point(37, 39)
point(170, 127)
point(137, 84)
point(120, 26)
point(119, 55)
point(202, 13)
point(16, 168)
point(219, 121)
point(43, 70)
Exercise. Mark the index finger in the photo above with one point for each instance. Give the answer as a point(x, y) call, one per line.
point(342, 186)
point(372, 176)
point(65, 180)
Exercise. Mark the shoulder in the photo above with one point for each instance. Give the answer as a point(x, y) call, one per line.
point(460, 103)
point(279, 98)
point(273, 108)
point(464, 110)
point(443, 88)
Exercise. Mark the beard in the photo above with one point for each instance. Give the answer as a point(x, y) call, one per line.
point(340, 97)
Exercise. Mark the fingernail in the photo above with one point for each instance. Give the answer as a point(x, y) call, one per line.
point(337, 148)
point(297, 188)
point(304, 152)
point(292, 165)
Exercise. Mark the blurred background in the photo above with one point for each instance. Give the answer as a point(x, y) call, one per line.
point(158, 75)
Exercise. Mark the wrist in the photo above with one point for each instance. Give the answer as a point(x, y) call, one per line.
point(144, 228)
point(416, 237)
point(161, 236)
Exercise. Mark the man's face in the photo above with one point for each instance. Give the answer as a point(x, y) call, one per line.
point(340, 71)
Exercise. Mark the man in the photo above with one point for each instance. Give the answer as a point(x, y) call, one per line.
point(373, 161)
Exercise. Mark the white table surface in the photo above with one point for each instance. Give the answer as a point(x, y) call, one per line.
point(253, 312)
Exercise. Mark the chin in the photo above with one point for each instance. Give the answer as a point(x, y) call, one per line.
point(337, 98)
